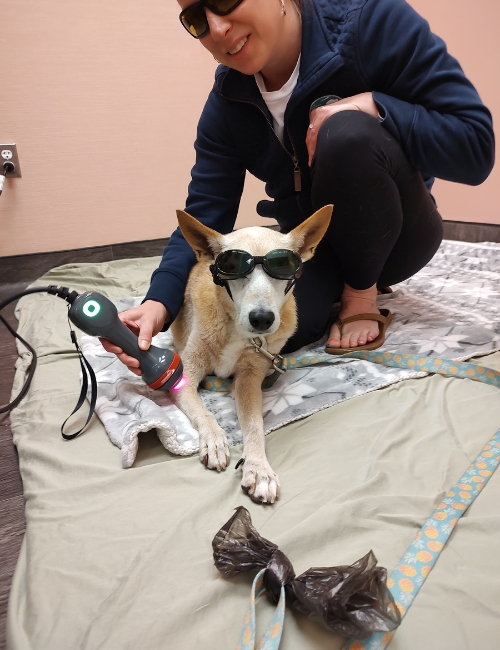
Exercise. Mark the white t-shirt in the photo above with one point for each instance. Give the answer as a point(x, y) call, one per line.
point(278, 99)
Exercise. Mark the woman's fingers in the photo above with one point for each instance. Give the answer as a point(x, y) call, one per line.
point(311, 137)
point(317, 117)
point(110, 347)
point(322, 113)
point(145, 321)
point(131, 363)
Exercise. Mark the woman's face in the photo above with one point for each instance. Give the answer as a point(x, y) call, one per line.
point(255, 37)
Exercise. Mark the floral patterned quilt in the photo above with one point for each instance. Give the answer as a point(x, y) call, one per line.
point(451, 308)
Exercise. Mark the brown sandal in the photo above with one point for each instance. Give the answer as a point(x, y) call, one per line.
point(384, 318)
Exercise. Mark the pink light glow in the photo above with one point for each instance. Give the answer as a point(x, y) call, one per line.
point(180, 384)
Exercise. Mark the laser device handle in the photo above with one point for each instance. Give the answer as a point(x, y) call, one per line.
point(96, 315)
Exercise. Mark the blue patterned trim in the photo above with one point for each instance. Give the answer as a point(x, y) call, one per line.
point(408, 577)
point(272, 636)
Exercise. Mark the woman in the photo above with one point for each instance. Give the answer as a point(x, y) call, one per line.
point(407, 114)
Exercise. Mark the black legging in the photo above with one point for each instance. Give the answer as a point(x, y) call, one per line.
point(385, 225)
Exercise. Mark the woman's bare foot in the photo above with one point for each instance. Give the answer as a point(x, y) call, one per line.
point(359, 332)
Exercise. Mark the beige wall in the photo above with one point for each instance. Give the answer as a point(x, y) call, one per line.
point(470, 30)
point(102, 99)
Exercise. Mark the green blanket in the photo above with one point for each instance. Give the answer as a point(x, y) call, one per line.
point(118, 559)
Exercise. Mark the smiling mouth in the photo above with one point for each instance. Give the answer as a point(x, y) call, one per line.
point(239, 46)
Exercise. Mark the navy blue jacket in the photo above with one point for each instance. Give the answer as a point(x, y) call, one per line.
point(348, 47)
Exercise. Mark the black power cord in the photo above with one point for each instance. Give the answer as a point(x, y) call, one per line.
point(69, 296)
point(8, 168)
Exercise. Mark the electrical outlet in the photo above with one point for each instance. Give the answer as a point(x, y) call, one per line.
point(8, 153)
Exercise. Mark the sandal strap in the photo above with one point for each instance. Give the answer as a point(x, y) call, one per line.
point(350, 319)
point(381, 318)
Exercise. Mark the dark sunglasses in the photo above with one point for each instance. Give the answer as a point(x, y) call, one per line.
point(194, 19)
point(282, 264)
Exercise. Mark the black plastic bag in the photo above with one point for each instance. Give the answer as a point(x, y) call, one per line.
point(353, 601)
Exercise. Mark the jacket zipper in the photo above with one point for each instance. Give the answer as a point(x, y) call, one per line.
point(297, 180)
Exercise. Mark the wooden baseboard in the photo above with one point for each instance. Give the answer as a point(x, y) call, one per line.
point(471, 232)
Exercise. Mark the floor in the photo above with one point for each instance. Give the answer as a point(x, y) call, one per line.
point(16, 273)
point(11, 488)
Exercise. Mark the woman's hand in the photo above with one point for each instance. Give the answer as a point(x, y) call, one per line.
point(146, 321)
point(362, 102)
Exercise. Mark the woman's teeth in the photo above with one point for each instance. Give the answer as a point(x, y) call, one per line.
point(239, 46)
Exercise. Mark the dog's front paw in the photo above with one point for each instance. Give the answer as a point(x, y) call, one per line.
point(214, 450)
point(260, 481)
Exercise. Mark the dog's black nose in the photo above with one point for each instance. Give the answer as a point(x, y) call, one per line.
point(261, 319)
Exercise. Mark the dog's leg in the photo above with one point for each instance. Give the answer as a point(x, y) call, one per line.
point(259, 479)
point(214, 450)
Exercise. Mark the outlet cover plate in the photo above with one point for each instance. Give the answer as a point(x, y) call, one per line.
point(8, 153)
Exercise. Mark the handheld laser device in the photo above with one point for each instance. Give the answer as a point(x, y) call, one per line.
point(96, 315)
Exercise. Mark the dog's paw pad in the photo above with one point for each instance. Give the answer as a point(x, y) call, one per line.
point(215, 455)
point(260, 482)
point(266, 491)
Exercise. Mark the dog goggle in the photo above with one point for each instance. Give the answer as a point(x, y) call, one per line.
point(194, 19)
point(281, 264)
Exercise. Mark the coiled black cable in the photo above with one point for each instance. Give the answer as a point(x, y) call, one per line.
point(32, 367)
point(69, 296)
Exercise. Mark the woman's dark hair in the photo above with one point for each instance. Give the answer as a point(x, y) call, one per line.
point(300, 4)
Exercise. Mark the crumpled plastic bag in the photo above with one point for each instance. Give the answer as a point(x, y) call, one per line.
point(353, 601)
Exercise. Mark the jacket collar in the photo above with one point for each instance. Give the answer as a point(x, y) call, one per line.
point(322, 25)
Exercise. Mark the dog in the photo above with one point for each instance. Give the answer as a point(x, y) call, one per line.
point(225, 319)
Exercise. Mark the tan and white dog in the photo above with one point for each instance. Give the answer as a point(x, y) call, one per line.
point(214, 330)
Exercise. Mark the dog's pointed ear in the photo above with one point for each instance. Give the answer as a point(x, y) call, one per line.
point(202, 239)
point(310, 232)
